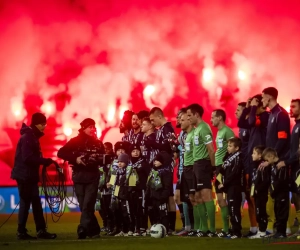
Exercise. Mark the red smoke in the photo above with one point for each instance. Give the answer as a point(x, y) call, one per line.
point(86, 58)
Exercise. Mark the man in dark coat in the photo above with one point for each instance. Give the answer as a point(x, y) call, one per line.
point(28, 159)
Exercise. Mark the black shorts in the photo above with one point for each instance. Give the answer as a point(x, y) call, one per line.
point(203, 174)
point(178, 185)
point(187, 183)
point(217, 183)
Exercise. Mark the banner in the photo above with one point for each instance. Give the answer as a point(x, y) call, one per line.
point(9, 200)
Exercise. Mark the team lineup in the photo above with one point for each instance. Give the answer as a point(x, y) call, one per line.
point(136, 183)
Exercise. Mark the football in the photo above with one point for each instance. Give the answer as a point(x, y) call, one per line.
point(158, 231)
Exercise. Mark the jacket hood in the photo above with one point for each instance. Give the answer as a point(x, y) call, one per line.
point(27, 129)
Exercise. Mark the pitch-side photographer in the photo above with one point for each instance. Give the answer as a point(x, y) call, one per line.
point(85, 166)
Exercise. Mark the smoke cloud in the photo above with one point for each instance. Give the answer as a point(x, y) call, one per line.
point(88, 58)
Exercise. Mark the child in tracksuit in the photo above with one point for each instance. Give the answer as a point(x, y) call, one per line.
point(120, 195)
point(120, 147)
point(232, 171)
point(160, 182)
point(261, 179)
point(137, 173)
point(279, 191)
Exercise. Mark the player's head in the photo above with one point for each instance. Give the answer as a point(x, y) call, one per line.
point(295, 109)
point(178, 117)
point(135, 121)
point(125, 124)
point(147, 125)
point(257, 152)
point(270, 155)
point(218, 116)
point(184, 121)
point(157, 117)
point(269, 95)
point(194, 113)
point(239, 109)
point(234, 145)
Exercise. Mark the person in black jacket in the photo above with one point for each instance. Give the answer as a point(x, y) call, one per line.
point(160, 181)
point(28, 159)
point(164, 132)
point(137, 172)
point(120, 195)
point(80, 153)
point(254, 118)
point(279, 191)
point(148, 129)
point(232, 171)
point(125, 125)
point(278, 129)
point(278, 136)
point(292, 158)
point(261, 179)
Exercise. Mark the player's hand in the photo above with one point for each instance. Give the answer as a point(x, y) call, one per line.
point(280, 164)
point(220, 186)
point(254, 102)
point(108, 185)
point(263, 165)
point(79, 160)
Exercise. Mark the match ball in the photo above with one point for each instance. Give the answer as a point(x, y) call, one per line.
point(158, 231)
point(298, 237)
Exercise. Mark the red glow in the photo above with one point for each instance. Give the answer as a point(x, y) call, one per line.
point(88, 58)
point(242, 75)
point(149, 90)
point(67, 131)
point(48, 108)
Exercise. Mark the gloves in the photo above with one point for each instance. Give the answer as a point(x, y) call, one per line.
point(47, 161)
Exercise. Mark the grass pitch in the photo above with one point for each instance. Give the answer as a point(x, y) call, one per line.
point(67, 238)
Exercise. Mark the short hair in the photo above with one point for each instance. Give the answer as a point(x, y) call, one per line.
point(237, 142)
point(196, 108)
point(271, 91)
point(220, 112)
point(108, 144)
point(269, 151)
point(259, 149)
point(143, 113)
point(146, 119)
point(180, 111)
point(156, 111)
point(296, 100)
point(242, 104)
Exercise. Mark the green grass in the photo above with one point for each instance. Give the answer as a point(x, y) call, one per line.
point(67, 238)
